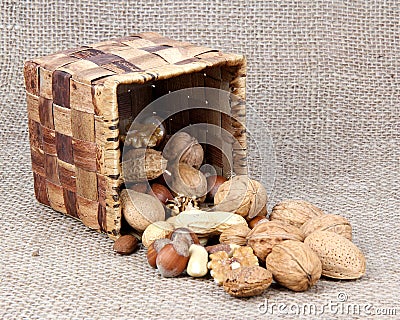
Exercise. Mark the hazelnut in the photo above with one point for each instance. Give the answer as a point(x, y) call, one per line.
point(213, 183)
point(184, 234)
point(154, 249)
point(173, 258)
point(252, 223)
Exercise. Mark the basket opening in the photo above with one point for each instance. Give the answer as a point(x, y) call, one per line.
point(218, 152)
point(133, 98)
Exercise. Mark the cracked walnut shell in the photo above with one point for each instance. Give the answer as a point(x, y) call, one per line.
point(247, 281)
point(220, 262)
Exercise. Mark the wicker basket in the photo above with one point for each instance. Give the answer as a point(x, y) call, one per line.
point(76, 99)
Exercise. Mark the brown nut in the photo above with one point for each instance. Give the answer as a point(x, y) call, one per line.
point(157, 230)
point(141, 187)
point(139, 165)
point(247, 281)
point(213, 183)
point(182, 147)
point(188, 181)
point(266, 234)
point(235, 235)
point(140, 209)
point(173, 258)
point(253, 222)
point(154, 249)
point(328, 222)
point(221, 262)
point(126, 244)
point(294, 265)
point(228, 248)
point(184, 234)
point(341, 258)
point(241, 195)
point(149, 133)
point(161, 192)
point(295, 212)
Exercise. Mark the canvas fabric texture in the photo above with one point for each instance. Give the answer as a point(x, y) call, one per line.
point(323, 99)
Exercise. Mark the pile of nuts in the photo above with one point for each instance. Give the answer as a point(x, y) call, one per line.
point(197, 225)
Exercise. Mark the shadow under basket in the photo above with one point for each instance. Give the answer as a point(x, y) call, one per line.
point(80, 99)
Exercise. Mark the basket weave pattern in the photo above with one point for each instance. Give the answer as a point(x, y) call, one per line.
point(73, 116)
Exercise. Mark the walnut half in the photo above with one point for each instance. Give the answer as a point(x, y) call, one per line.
point(247, 281)
point(221, 262)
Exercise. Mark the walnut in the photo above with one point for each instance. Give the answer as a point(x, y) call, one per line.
point(187, 180)
point(235, 235)
point(182, 203)
point(247, 281)
point(241, 195)
point(182, 147)
point(144, 135)
point(294, 265)
point(266, 234)
point(221, 263)
point(295, 212)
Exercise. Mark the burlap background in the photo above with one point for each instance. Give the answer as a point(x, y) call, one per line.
point(325, 78)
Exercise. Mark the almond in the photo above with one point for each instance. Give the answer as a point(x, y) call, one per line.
point(341, 258)
point(126, 244)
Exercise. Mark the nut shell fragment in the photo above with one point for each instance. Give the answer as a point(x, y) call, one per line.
point(247, 281)
point(220, 262)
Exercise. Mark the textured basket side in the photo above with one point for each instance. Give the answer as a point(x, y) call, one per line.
point(74, 120)
point(71, 137)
